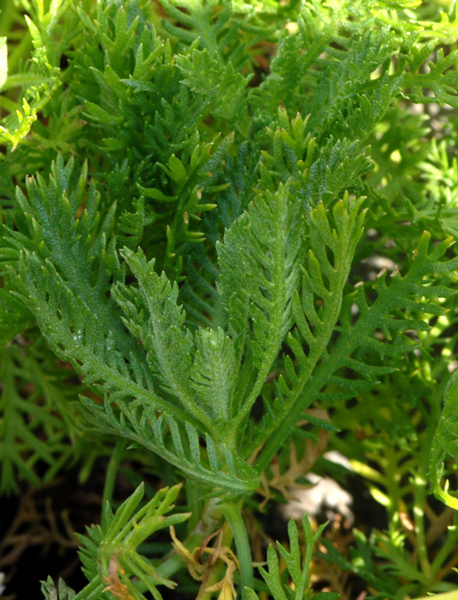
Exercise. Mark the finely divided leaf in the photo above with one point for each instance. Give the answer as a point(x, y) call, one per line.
point(316, 311)
point(213, 374)
point(158, 321)
point(415, 292)
point(111, 555)
point(445, 443)
point(260, 265)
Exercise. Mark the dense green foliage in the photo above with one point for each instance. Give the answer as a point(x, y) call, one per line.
point(197, 197)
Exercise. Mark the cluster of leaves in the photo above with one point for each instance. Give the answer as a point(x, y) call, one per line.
point(214, 184)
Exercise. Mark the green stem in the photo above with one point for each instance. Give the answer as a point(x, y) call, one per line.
point(419, 484)
point(233, 514)
point(393, 488)
point(195, 504)
point(110, 480)
point(233, 529)
point(445, 551)
point(92, 590)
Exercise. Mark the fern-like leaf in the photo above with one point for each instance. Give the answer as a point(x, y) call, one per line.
point(260, 260)
point(213, 374)
point(324, 280)
point(442, 78)
point(110, 556)
point(297, 567)
point(388, 313)
point(445, 444)
point(180, 444)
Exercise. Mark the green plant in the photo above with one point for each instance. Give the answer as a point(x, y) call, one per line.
point(215, 184)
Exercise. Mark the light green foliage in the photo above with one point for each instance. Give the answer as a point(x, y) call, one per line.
point(3, 61)
point(213, 83)
point(437, 80)
point(38, 429)
point(196, 200)
point(24, 420)
point(62, 592)
point(41, 80)
point(108, 552)
point(444, 443)
point(397, 465)
point(298, 566)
